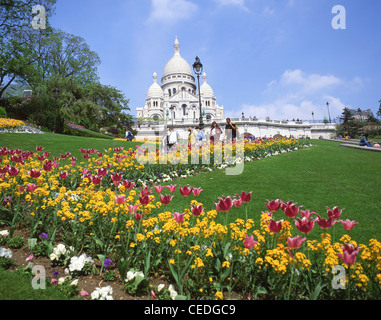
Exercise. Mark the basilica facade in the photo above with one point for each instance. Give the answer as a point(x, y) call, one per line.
point(176, 99)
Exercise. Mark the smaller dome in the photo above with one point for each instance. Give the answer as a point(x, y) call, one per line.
point(155, 90)
point(206, 89)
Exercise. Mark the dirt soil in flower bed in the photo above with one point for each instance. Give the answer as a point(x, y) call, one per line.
point(87, 283)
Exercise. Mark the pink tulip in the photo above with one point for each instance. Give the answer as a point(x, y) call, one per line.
point(347, 224)
point(48, 166)
point(138, 216)
point(273, 205)
point(296, 242)
point(325, 223)
point(179, 217)
point(84, 293)
point(145, 192)
point(245, 197)
point(30, 257)
point(186, 191)
point(132, 208)
point(13, 172)
point(196, 191)
point(349, 254)
point(306, 213)
point(120, 199)
point(39, 149)
point(334, 213)
point(249, 242)
point(274, 226)
point(304, 225)
point(166, 199)
point(159, 189)
point(31, 187)
point(197, 210)
point(172, 188)
point(224, 204)
point(237, 202)
point(290, 209)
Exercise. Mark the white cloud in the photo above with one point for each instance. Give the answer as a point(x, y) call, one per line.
point(171, 11)
point(309, 83)
point(238, 3)
point(297, 94)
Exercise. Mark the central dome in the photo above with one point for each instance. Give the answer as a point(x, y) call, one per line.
point(177, 64)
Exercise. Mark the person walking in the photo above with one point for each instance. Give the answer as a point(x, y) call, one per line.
point(232, 127)
point(171, 139)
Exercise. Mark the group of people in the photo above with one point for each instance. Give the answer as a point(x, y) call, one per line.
point(198, 137)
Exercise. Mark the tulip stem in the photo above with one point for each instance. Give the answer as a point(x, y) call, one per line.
point(292, 276)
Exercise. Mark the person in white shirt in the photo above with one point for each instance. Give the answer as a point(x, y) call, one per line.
point(171, 139)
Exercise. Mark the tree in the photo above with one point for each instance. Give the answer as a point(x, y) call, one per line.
point(349, 126)
point(15, 18)
point(379, 110)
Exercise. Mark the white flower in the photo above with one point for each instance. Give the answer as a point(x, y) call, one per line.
point(95, 295)
point(53, 256)
point(4, 233)
point(102, 293)
point(74, 282)
point(173, 294)
point(130, 275)
point(160, 287)
point(139, 273)
point(5, 253)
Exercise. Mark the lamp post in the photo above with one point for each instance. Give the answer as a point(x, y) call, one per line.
point(329, 115)
point(198, 68)
point(313, 117)
point(56, 92)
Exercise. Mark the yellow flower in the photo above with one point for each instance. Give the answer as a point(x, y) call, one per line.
point(219, 295)
point(172, 261)
point(226, 264)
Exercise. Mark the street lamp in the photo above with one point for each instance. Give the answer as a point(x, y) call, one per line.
point(198, 68)
point(56, 92)
point(329, 115)
point(313, 117)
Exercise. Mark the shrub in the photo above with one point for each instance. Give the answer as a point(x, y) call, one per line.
point(3, 113)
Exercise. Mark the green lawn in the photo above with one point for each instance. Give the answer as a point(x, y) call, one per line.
point(316, 177)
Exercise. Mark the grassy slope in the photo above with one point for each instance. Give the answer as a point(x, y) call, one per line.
point(324, 175)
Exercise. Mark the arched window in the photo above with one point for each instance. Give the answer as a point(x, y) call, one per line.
point(174, 91)
point(184, 106)
point(170, 92)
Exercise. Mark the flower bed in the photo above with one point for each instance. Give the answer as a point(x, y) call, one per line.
point(17, 126)
point(77, 214)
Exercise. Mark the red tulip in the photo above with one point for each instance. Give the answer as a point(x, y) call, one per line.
point(13, 172)
point(290, 209)
point(274, 226)
point(296, 242)
point(166, 199)
point(186, 191)
point(196, 191)
point(128, 184)
point(159, 189)
point(179, 217)
point(197, 210)
point(325, 223)
point(145, 192)
point(224, 204)
point(96, 180)
point(273, 205)
point(102, 172)
point(304, 225)
point(144, 200)
point(245, 197)
point(48, 165)
point(334, 213)
point(120, 199)
point(35, 174)
point(63, 174)
point(39, 149)
point(249, 242)
point(116, 178)
point(172, 188)
point(138, 216)
point(347, 224)
point(349, 254)
point(31, 187)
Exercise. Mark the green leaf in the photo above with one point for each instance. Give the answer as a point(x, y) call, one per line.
point(180, 297)
point(32, 242)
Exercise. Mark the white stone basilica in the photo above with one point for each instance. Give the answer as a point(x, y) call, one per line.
point(176, 101)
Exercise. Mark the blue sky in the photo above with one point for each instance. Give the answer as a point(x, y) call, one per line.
point(276, 58)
